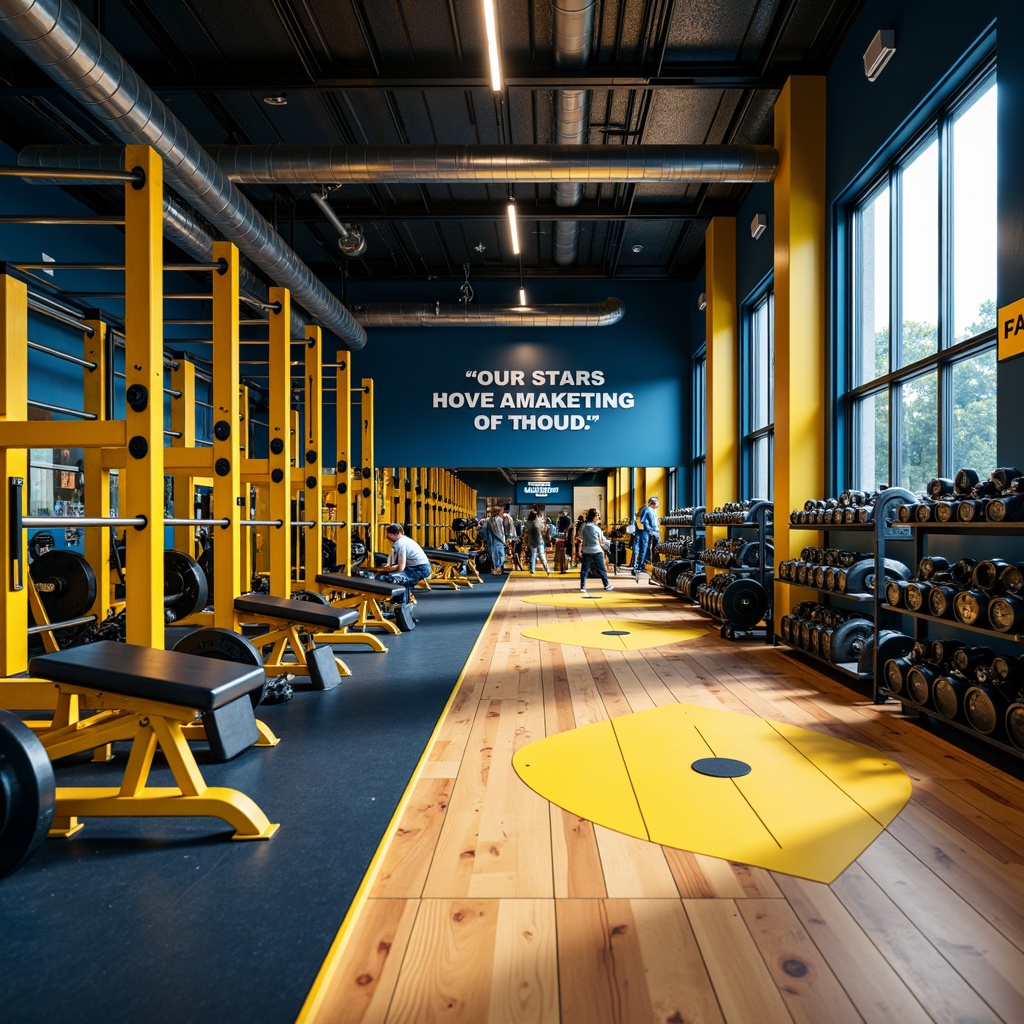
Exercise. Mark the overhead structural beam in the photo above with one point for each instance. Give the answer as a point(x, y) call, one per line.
point(496, 164)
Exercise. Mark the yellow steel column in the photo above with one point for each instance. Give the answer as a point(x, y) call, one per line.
point(228, 438)
point(183, 421)
point(313, 455)
point(143, 489)
point(799, 310)
point(722, 319)
point(279, 417)
point(13, 464)
point(655, 484)
point(96, 474)
point(343, 455)
point(366, 457)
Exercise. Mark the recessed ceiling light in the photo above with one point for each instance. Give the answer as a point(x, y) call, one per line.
point(638, 247)
point(280, 100)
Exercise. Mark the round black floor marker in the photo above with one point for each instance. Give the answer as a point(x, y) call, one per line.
point(721, 767)
point(614, 632)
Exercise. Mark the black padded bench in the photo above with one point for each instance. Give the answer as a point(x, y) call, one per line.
point(149, 697)
point(287, 619)
point(361, 594)
point(448, 566)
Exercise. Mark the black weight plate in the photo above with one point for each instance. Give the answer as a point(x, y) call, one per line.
point(27, 791)
point(329, 554)
point(358, 555)
point(946, 696)
point(227, 646)
point(65, 583)
point(744, 602)
point(311, 596)
point(845, 637)
point(185, 588)
point(889, 644)
point(404, 618)
point(673, 570)
point(1015, 724)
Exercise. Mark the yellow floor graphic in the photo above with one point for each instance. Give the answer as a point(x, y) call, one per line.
point(809, 806)
point(613, 634)
point(598, 598)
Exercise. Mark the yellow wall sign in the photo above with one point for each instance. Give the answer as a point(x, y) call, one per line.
point(1011, 329)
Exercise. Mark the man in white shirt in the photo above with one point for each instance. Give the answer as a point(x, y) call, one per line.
point(408, 563)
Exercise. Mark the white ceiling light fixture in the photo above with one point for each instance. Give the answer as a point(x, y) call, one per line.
point(492, 44)
point(513, 226)
point(702, 301)
point(522, 296)
point(758, 225)
point(280, 100)
point(879, 53)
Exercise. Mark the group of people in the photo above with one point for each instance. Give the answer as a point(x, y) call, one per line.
point(582, 542)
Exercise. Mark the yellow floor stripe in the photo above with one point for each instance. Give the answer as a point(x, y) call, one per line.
point(598, 598)
point(809, 807)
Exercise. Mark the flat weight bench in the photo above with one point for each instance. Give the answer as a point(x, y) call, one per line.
point(363, 595)
point(286, 619)
point(448, 567)
point(149, 697)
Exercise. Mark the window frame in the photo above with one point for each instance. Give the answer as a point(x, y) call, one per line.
point(698, 461)
point(949, 352)
point(750, 436)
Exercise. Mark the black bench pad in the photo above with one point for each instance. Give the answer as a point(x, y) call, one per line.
point(360, 584)
point(186, 680)
point(436, 555)
point(306, 613)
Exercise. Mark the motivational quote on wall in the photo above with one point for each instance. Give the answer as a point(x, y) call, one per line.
point(527, 391)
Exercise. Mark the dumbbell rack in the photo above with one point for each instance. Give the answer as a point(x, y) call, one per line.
point(681, 525)
point(848, 670)
point(761, 521)
point(920, 533)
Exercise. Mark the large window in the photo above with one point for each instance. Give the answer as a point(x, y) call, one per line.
point(923, 364)
point(700, 380)
point(759, 401)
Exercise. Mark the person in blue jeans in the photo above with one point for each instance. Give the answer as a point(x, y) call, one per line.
point(593, 545)
point(407, 565)
point(646, 536)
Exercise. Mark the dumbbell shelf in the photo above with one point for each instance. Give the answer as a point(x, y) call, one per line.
point(919, 531)
point(928, 712)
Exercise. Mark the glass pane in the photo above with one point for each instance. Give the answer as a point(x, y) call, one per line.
point(919, 421)
point(871, 437)
point(760, 366)
point(919, 271)
point(974, 218)
point(871, 336)
point(699, 407)
point(760, 482)
point(974, 412)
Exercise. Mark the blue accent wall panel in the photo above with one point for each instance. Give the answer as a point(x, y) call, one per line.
point(550, 396)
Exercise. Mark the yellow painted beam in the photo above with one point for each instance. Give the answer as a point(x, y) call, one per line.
point(13, 464)
point(54, 434)
point(95, 474)
point(142, 483)
point(342, 534)
point(800, 262)
point(312, 485)
point(183, 422)
point(228, 438)
point(366, 461)
point(280, 420)
point(722, 325)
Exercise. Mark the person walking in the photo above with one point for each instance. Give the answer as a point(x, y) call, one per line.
point(535, 532)
point(495, 534)
point(646, 536)
point(593, 545)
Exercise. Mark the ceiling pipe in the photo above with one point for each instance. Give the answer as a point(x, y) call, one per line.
point(572, 31)
point(60, 41)
point(351, 240)
point(331, 165)
point(464, 314)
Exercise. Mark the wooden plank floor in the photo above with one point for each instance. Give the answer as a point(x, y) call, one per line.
point(487, 903)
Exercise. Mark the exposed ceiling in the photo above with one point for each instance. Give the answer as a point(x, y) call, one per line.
point(398, 73)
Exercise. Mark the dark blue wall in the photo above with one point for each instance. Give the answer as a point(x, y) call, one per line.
point(643, 359)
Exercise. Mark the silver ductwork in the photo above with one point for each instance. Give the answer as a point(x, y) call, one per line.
point(59, 40)
point(331, 165)
point(425, 314)
point(572, 28)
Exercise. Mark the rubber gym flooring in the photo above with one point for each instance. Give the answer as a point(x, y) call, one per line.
point(168, 920)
